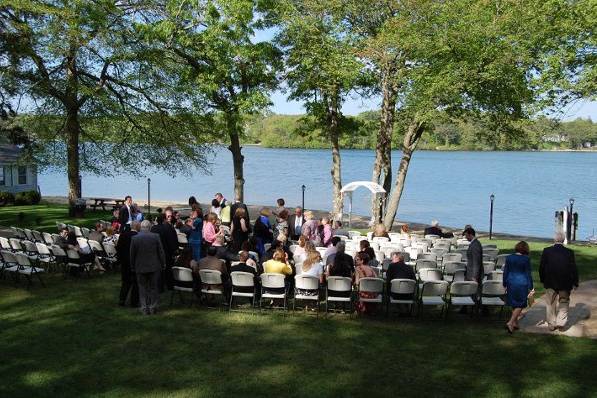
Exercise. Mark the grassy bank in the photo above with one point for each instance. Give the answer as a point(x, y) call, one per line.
point(71, 340)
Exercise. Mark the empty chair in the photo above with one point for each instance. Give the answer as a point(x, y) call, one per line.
point(29, 235)
point(438, 251)
point(492, 294)
point(430, 274)
point(30, 249)
point(462, 253)
point(339, 290)
point(488, 246)
point(442, 244)
point(211, 283)
point(9, 262)
point(272, 288)
point(18, 233)
point(44, 255)
point(432, 237)
point(85, 232)
point(422, 245)
point(459, 276)
point(488, 267)
point(47, 238)
point(74, 261)
point(77, 231)
point(243, 285)
point(451, 267)
point(371, 290)
point(37, 236)
point(306, 288)
point(496, 276)
point(27, 269)
point(5, 244)
point(183, 282)
point(394, 236)
point(433, 293)
point(15, 245)
point(427, 256)
point(353, 234)
point(452, 257)
point(462, 242)
point(500, 260)
point(421, 264)
point(462, 293)
point(380, 239)
point(402, 291)
point(379, 256)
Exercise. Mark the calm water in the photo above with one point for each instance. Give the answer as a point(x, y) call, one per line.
point(453, 187)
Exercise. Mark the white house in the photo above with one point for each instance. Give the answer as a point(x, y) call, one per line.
point(15, 176)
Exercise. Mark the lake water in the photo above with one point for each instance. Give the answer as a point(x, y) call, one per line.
point(452, 187)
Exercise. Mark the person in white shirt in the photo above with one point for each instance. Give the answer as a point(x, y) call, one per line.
point(295, 223)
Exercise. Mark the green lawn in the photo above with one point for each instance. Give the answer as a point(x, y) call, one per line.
point(43, 217)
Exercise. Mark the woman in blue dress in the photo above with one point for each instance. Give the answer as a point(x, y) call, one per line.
point(518, 282)
point(196, 236)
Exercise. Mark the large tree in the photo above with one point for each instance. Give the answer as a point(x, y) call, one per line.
point(211, 48)
point(322, 69)
point(82, 66)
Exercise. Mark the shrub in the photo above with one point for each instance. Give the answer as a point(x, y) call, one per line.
point(27, 198)
point(6, 198)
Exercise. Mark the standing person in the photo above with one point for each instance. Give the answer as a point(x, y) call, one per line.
point(147, 261)
point(281, 224)
point(240, 229)
point(196, 236)
point(128, 277)
point(326, 232)
point(210, 231)
point(262, 230)
point(215, 207)
point(474, 264)
point(280, 208)
point(295, 223)
point(309, 229)
point(518, 282)
point(221, 199)
point(125, 215)
point(169, 239)
point(559, 276)
point(193, 202)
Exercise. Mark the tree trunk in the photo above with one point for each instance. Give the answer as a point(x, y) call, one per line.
point(411, 139)
point(72, 130)
point(237, 159)
point(333, 125)
point(382, 168)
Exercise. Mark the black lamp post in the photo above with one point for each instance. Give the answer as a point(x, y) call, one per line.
point(491, 199)
point(149, 196)
point(303, 188)
point(570, 217)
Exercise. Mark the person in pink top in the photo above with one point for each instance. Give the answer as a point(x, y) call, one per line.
point(209, 229)
point(326, 232)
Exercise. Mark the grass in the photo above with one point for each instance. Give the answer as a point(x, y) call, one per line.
point(43, 217)
point(71, 340)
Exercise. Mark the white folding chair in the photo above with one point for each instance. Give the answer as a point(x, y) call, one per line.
point(211, 283)
point(77, 230)
point(380, 239)
point(338, 284)
point(353, 234)
point(242, 281)
point(500, 260)
point(462, 293)
point(182, 239)
point(293, 248)
point(44, 255)
point(29, 235)
point(271, 281)
point(47, 238)
point(459, 275)
point(183, 282)
point(111, 256)
point(492, 294)
point(37, 236)
point(451, 267)
point(430, 274)
point(9, 263)
point(427, 256)
point(27, 269)
point(496, 276)
point(85, 232)
point(433, 293)
point(74, 261)
point(5, 244)
point(306, 288)
point(15, 245)
point(432, 237)
point(403, 286)
point(488, 267)
point(373, 287)
point(422, 264)
point(452, 257)
point(30, 249)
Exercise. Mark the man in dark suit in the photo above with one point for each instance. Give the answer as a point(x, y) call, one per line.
point(434, 229)
point(295, 223)
point(128, 277)
point(559, 276)
point(474, 264)
point(169, 239)
point(147, 261)
point(125, 215)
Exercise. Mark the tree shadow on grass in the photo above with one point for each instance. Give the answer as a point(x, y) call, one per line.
point(76, 342)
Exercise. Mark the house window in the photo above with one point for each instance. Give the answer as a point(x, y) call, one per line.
point(2, 176)
point(22, 175)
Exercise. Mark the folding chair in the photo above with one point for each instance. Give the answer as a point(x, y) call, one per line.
point(462, 293)
point(492, 294)
point(372, 286)
point(15, 245)
point(427, 256)
point(422, 264)
point(273, 281)
point(74, 261)
point(5, 244)
point(500, 261)
point(111, 257)
point(183, 282)
point(242, 280)
point(495, 276)
point(30, 249)
point(402, 286)
point(338, 284)
point(9, 263)
point(61, 258)
point(85, 232)
point(37, 236)
point(211, 278)
point(27, 269)
point(451, 267)
point(452, 257)
point(44, 255)
point(430, 274)
point(28, 235)
point(433, 293)
point(47, 238)
point(306, 288)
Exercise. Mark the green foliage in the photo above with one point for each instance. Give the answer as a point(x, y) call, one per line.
point(27, 198)
point(43, 217)
point(6, 198)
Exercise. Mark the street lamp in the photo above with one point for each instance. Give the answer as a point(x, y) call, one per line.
point(491, 199)
point(149, 197)
point(570, 222)
point(303, 188)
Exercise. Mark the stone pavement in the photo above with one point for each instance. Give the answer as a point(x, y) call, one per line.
point(583, 303)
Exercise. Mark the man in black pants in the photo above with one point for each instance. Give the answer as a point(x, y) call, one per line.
point(169, 239)
point(129, 279)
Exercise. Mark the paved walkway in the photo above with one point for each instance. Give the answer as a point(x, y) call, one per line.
point(583, 303)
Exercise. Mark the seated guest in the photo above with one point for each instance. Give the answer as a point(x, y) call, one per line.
point(278, 244)
point(363, 270)
point(340, 247)
point(250, 247)
point(110, 236)
point(243, 266)
point(96, 234)
point(338, 230)
point(434, 229)
point(380, 231)
point(398, 269)
point(222, 251)
point(368, 250)
point(326, 232)
point(185, 227)
point(313, 266)
point(300, 250)
point(309, 229)
point(278, 264)
point(341, 265)
point(211, 262)
point(404, 230)
point(332, 248)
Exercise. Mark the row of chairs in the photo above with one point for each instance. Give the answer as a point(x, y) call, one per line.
point(339, 290)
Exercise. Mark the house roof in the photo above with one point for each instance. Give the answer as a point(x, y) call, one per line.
point(9, 153)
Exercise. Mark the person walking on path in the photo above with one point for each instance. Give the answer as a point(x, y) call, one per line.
point(147, 261)
point(474, 262)
point(518, 282)
point(559, 276)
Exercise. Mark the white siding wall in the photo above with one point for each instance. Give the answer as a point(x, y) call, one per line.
point(11, 177)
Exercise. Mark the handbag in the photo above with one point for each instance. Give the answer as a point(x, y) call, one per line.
point(531, 297)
